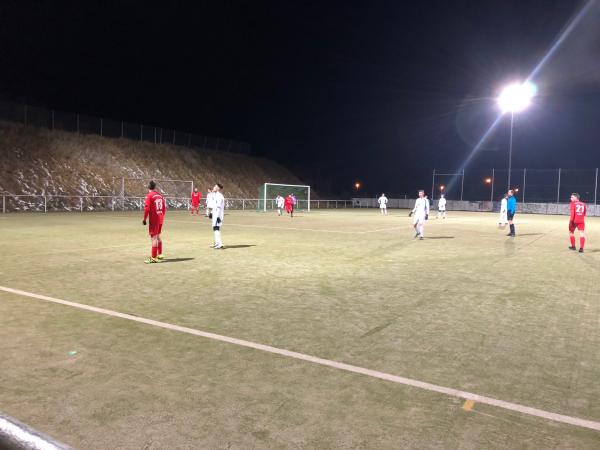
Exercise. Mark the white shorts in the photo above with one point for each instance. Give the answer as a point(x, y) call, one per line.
point(418, 218)
point(383, 206)
point(214, 221)
point(443, 208)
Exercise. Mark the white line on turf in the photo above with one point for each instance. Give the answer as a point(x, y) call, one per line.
point(584, 423)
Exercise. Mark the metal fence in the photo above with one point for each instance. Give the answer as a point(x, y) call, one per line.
point(89, 203)
point(530, 185)
point(80, 123)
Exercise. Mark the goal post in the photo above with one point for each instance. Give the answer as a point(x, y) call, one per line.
point(269, 191)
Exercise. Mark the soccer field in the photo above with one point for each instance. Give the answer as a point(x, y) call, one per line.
point(514, 320)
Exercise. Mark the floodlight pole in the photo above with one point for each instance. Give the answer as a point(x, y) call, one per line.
point(596, 188)
point(492, 190)
point(510, 145)
point(462, 185)
point(433, 186)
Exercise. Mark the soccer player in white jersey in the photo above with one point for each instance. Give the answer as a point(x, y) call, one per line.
point(279, 202)
point(210, 197)
point(441, 207)
point(383, 204)
point(503, 219)
point(217, 214)
point(420, 211)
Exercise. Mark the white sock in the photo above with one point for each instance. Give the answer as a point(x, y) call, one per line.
point(421, 230)
point(218, 242)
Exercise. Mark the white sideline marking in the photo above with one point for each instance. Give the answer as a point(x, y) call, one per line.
point(584, 423)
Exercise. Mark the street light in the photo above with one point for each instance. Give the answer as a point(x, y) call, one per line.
point(442, 187)
point(515, 98)
point(488, 181)
point(357, 185)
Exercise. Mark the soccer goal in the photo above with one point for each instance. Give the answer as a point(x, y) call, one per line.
point(268, 191)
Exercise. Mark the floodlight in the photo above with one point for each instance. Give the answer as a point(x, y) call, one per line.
point(516, 97)
point(488, 180)
point(357, 185)
point(442, 187)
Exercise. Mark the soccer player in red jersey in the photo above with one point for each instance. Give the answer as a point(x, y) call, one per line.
point(289, 205)
point(154, 209)
point(577, 220)
point(196, 201)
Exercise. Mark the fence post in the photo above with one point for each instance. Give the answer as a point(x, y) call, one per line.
point(113, 204)
point(122, 126)
point(53, 119)
point(492, 191)
point(524, 178)
point(80, 204)
point(100, 126)
point(155, 135)
point(558, 191)
point(141, 132)
point(45, 205)
point(243, 204)
point(433, 185)
point(3, 204)
point(596, 188)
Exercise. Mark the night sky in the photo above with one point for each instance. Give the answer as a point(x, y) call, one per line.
point(380, 92)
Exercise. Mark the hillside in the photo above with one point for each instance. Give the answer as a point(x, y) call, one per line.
point(35, 161)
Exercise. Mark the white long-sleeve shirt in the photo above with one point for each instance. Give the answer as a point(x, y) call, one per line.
point(442, 203)
point(421, 207)
point(382, 201)
point(218, 205)
point(503, 205)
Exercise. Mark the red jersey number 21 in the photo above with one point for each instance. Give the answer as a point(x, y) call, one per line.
point(579, 209)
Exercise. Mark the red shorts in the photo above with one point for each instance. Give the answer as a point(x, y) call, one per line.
point(155, 228)
point(195, 205)
point(580, 226)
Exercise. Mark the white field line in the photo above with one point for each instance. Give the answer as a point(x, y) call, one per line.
point(584, 423)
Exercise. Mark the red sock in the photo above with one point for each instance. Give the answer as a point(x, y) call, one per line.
point(160, 247)
point(581, 242)
point(153, 251)
point(572, 241)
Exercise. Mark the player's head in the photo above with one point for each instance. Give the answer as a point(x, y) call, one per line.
point(574, 196)
point(442, 196)
point(195, 189)
point(510, 193)
point(421, 194)
point(152, 185)
point(218, 187)
point(382, 194)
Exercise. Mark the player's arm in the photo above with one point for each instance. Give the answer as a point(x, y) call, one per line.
point(146, 210)
point(572, 218)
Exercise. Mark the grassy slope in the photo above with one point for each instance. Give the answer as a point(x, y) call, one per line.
point(468, 308)
point(36, 161)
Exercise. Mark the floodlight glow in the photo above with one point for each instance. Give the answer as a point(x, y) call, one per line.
point(516, 97)
point(357, 185)
point(488, 180)
point(442, 188)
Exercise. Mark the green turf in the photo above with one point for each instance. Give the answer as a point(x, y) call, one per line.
point(467, 308)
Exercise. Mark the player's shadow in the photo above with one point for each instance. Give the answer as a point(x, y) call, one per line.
point(176, 260)
point(239, 246)
point(439, 237)
point(531, 234)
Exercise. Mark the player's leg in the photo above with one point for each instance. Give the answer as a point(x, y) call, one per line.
point(421, 229)
point(159, 248)
point(152, 258)
point(511, 224)
point(581, 227)
point(572, 235)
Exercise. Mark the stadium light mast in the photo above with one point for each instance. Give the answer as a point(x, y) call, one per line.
point(515, 98)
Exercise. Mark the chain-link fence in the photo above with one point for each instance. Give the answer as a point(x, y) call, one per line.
point(88, 203)
point(80, 123)
point(530, 185)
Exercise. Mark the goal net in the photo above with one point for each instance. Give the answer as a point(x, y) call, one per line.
point(269, 191)
point(176, 192)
